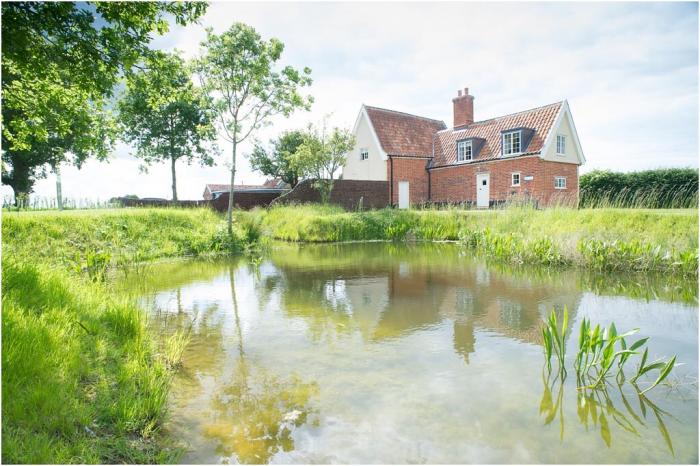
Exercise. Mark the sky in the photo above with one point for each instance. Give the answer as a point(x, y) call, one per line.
point(628, 70)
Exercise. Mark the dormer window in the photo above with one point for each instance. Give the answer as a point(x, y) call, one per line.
point(464, 151)
point(364, 154)
point(512, 143)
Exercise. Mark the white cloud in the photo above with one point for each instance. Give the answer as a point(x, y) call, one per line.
point(628, 70)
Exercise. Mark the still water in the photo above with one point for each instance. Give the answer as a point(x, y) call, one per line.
point(384, 353)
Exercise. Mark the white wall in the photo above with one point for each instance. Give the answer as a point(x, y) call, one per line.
point(374, 168)
point(571, 153)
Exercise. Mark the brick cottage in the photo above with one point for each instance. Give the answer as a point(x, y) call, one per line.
point(529, 155)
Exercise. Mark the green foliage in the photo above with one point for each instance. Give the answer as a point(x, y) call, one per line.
point(81, 381)
point(662, 188)
point(118, 236)
point(165, 116)
point(601, 239)
point(276, 162)
point(237, 69)
point(554, 341)
point(599, 349)
point(321, 155)
point(60, 61)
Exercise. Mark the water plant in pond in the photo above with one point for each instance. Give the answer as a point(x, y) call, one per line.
point(554, 341)
point(602, 352)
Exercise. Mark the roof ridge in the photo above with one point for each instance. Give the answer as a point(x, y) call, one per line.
point(506, 115)
point(404, 113)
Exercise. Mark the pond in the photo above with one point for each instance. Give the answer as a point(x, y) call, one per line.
point(388, 353)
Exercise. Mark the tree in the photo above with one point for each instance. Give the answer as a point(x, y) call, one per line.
point(61, 60)
point(71, 128)
point(276, 162)
point(238, 69)
point(321, 155)
point(165, 116)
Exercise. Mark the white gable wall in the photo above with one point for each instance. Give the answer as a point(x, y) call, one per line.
point(374, 168)
point(572, 153)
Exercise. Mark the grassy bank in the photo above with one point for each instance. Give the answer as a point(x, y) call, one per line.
point(84, 380)
point(605, 239)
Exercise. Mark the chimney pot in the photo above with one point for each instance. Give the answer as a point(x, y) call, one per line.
point(466, 91)
point(459, 93)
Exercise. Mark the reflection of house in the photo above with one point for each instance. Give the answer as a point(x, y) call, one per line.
point(397, 297)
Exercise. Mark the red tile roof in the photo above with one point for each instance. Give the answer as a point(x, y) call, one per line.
point(540, 119)
point(403, 134)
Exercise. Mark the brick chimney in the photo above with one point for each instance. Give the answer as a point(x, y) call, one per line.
point(463, 108)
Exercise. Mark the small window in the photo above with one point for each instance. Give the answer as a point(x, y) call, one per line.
point(464, 151)
point(561, 144)
point(560, 182)
point(515, 179)
point(511, 143)
point(364, 154)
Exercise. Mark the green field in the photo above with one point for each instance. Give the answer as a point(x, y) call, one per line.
point(84, 380)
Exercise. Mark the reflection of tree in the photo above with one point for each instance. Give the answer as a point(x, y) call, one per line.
point(255, 413)
point(596, 409)
point(204, 355)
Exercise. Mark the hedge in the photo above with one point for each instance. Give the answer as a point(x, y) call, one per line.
point(661, 188)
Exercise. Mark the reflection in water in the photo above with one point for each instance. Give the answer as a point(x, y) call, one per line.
point(394, 353)
point(254, 412)
point(596, 410)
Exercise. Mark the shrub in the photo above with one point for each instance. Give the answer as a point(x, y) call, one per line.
point(662, 188)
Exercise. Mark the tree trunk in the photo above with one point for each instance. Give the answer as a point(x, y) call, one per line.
point(59, 193)
point(172, 171)
point(230, 195)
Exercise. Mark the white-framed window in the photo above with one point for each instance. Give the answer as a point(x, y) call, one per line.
point(511, 143)
point(560, 182)
point(464, 151)
point(515, 179)
point(364, 153)
point(561, 144)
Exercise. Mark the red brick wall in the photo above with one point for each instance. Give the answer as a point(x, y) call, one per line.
point(413, 170)
point(347, 193)
point(458, 184)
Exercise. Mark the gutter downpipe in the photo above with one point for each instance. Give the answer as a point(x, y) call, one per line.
point(391, 181)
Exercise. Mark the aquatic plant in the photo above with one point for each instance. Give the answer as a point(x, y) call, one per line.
point(599, 348)
point(554, 341)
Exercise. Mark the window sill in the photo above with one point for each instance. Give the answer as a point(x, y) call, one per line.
point(463, 162)
point(561, 189)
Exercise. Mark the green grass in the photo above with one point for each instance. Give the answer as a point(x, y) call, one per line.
point(604, 239)
point(84, 380)
point(127, 235)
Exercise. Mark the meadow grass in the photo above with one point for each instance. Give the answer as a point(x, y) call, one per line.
point(84, 380)
point(603, 239)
